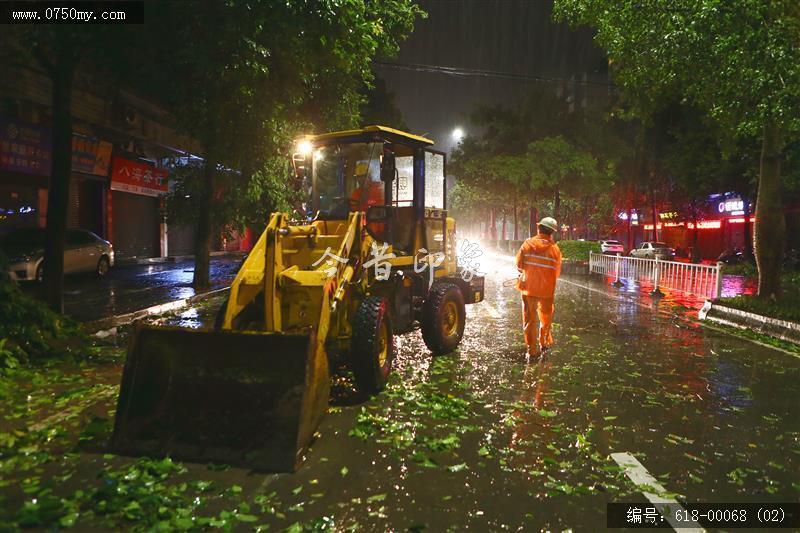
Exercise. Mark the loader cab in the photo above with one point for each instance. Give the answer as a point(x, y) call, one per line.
point(396, 178)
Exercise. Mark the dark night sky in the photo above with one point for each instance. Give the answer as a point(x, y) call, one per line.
point(514, 36)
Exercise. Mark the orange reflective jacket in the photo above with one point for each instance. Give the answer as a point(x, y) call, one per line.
point(361, 199)
point(539, 261)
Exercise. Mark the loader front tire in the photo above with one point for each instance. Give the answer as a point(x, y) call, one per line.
point(372, 351)
point(443, 318)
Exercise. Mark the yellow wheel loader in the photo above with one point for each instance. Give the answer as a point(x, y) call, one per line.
point(375, 258)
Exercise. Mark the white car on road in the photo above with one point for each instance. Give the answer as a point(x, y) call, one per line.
point(83, 252)
point(611, 247)
point(653, 250)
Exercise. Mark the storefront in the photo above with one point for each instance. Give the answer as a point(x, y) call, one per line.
point(723, 224)
point(25, 167)
point(181, 239)
point(134, 215)
point(25, 161)
point(88, 185)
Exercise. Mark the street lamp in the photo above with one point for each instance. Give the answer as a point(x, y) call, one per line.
point(458, 134)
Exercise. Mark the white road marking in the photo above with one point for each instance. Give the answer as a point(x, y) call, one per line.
point(642, 478)
point(490, 310)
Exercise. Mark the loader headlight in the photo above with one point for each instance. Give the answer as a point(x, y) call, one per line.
point(304, 148)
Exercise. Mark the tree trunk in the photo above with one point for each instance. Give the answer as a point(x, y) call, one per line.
point(557, 205)
point(748, 238)
point(202, 254)
point(653, 208)
point(586, 219)
point(516, 220)
point(770, 225)
point(533, 219)
point(492, 225)
point(58, 190)
point(503, 230)
point(630, 230)
point(696, 258)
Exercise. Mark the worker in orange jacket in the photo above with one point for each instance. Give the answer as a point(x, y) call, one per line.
point(539, 263)
point(368, 191)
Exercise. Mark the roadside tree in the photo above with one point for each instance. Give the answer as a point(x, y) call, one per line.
point(739, 61)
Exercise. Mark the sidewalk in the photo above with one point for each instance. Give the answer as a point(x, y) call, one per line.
point(131, 288)
point(128, 261)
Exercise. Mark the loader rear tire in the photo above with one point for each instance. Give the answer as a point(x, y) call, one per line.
point(372, 351)
point(443, 318)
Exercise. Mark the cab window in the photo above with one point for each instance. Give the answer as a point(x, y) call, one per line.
point(434, 180)
point(347, 178)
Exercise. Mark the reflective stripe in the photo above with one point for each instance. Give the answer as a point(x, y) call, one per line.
point(540, 265)
point(542, 257)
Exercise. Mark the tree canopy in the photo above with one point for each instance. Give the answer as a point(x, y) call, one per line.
point(737, 61)
point(244, 78)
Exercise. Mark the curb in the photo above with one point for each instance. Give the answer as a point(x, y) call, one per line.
point(132, 261)
point(729, 316)
point(107, 326)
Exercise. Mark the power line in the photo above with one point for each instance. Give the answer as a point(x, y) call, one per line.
point(483, 73)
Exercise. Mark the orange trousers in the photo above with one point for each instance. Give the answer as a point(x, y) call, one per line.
point(537, 322)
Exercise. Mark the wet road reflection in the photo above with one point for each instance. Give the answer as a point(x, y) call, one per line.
point(483, 439)
point(130, 288)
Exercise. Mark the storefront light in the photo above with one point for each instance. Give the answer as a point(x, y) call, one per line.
point(729, 206)
point(706, 224)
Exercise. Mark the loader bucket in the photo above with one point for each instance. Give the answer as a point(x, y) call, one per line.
point(240, 398)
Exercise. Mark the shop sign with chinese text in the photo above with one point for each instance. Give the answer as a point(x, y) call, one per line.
point(25, 148)
point(90, 155)
point(138, 178)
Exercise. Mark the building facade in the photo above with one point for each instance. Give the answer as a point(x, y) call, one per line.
point(122, 149)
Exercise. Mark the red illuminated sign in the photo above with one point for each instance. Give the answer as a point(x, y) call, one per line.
point(703, 224)
point(138, 178)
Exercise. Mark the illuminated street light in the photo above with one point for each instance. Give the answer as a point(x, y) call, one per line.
point(458, 134)
point(304, 147)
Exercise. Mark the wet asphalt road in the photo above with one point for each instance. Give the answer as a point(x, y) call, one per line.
point(132, 287)
point(484, 439)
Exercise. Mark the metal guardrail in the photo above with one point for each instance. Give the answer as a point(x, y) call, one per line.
point(700, 280)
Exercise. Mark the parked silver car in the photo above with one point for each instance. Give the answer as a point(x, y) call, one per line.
point(83, 252)
point(611, 247)
point(652, 250)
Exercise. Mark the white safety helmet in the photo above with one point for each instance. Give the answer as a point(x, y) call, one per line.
point(549, 223)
